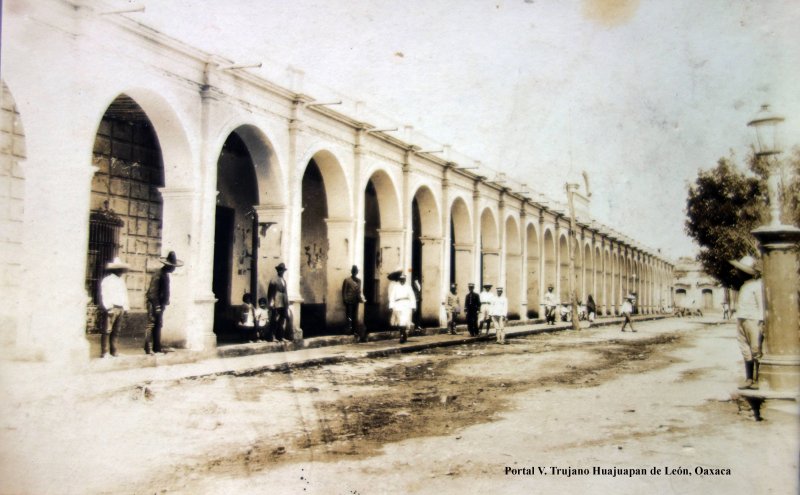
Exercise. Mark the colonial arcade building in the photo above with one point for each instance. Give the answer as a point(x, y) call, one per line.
point(119, 140)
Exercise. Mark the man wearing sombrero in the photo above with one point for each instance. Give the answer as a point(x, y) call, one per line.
point(157, 301)
point(750, 318)
point(114, 300)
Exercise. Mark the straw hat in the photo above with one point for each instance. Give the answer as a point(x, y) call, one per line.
point(117, 264)
point(747, 264)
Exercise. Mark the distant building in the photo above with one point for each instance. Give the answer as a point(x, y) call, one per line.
point(694, 288)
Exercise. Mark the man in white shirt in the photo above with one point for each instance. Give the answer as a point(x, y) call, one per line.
point(402, 303)
point(550, 303)
point(627, 310)
point(114, 301)
point(499, 312)
point(486, 308)
point(750, 319)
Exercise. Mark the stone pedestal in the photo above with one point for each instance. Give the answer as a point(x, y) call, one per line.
point(780, 365)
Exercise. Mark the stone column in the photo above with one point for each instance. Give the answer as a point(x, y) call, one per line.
point(340, 231)
point(189, 318)
point(491, 266)
point(390, 257)
point(780, 365)
point(523, 280)
point(465, 259)
point(431, 279)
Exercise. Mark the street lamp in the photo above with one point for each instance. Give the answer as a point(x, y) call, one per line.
point(780, 364)
point(767, 124)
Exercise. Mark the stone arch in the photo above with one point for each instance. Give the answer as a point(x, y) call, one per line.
point(382, 243)
point(599, 284)
point(461, 245)
point(513, 273)
point(534, 273)
point(563, 268)
point(587, 273)
point(550, 261)
point(490, 248)
point(12, 202)
point(325, 236)
point(250, 198)
point(426, 254)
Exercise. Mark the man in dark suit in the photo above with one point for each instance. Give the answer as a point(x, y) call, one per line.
point(157, 298)
point(278, 303)
point(352, 296)
point(472, 306)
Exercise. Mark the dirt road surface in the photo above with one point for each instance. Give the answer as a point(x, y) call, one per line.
point(550, 413)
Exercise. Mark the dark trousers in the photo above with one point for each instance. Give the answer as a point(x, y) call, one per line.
point(550, 314)
point(277, 322)
point(472, 323)
point(351, 312)
point(152, 332)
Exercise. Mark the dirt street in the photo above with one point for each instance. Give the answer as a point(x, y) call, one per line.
point(548, 413)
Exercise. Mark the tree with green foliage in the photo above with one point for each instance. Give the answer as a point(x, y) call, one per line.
point(725, 204)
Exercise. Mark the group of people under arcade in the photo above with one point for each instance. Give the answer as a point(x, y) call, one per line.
point(270, 320)
point(114, 303)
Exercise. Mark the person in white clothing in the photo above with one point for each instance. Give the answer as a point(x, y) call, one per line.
point(402, 302)
point(114, 301)
point(750, 319)
point(499, 312)
point(627, 310)
point(550, 304)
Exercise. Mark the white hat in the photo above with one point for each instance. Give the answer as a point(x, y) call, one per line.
point(117, 264)
point(747, 264)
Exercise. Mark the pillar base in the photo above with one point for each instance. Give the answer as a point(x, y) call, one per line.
point(781, 375)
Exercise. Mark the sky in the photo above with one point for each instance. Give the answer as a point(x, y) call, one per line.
point(640, 94)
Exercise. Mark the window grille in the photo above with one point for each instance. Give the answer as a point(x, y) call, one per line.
point(104, 229)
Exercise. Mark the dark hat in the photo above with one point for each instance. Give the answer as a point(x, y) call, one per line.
point(402, 276)
point(171, 260)
point(281, 267)
point(354, 269)
point(549, 287)
point(487, 286)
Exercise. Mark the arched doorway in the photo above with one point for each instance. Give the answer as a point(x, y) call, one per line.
point(513, 269)
point(533, 272)
point(550, 266)
point(461, 258)
point(490, 249)
point(426, 262)
point(235, 236)
point(125, 217)
point(382, 243)
point(325, 227)
point(563, 276)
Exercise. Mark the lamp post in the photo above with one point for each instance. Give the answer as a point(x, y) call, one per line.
point(779, 372)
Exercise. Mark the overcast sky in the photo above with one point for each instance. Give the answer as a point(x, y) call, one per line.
point(640, 94)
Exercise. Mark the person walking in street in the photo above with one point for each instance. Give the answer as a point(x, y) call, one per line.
point(550, 305)
point(352, 296)
point(472, 307)
point(486, 306)
point(499, 312)
point(750, 318)
point(402, 303)
point(157, 301)
point(627, 310)
point(591, 308)
point(452, 309)
point(278, 302)
point(114, 301)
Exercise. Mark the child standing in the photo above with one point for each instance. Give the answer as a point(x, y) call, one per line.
point(262, 320)
point(247, 319)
